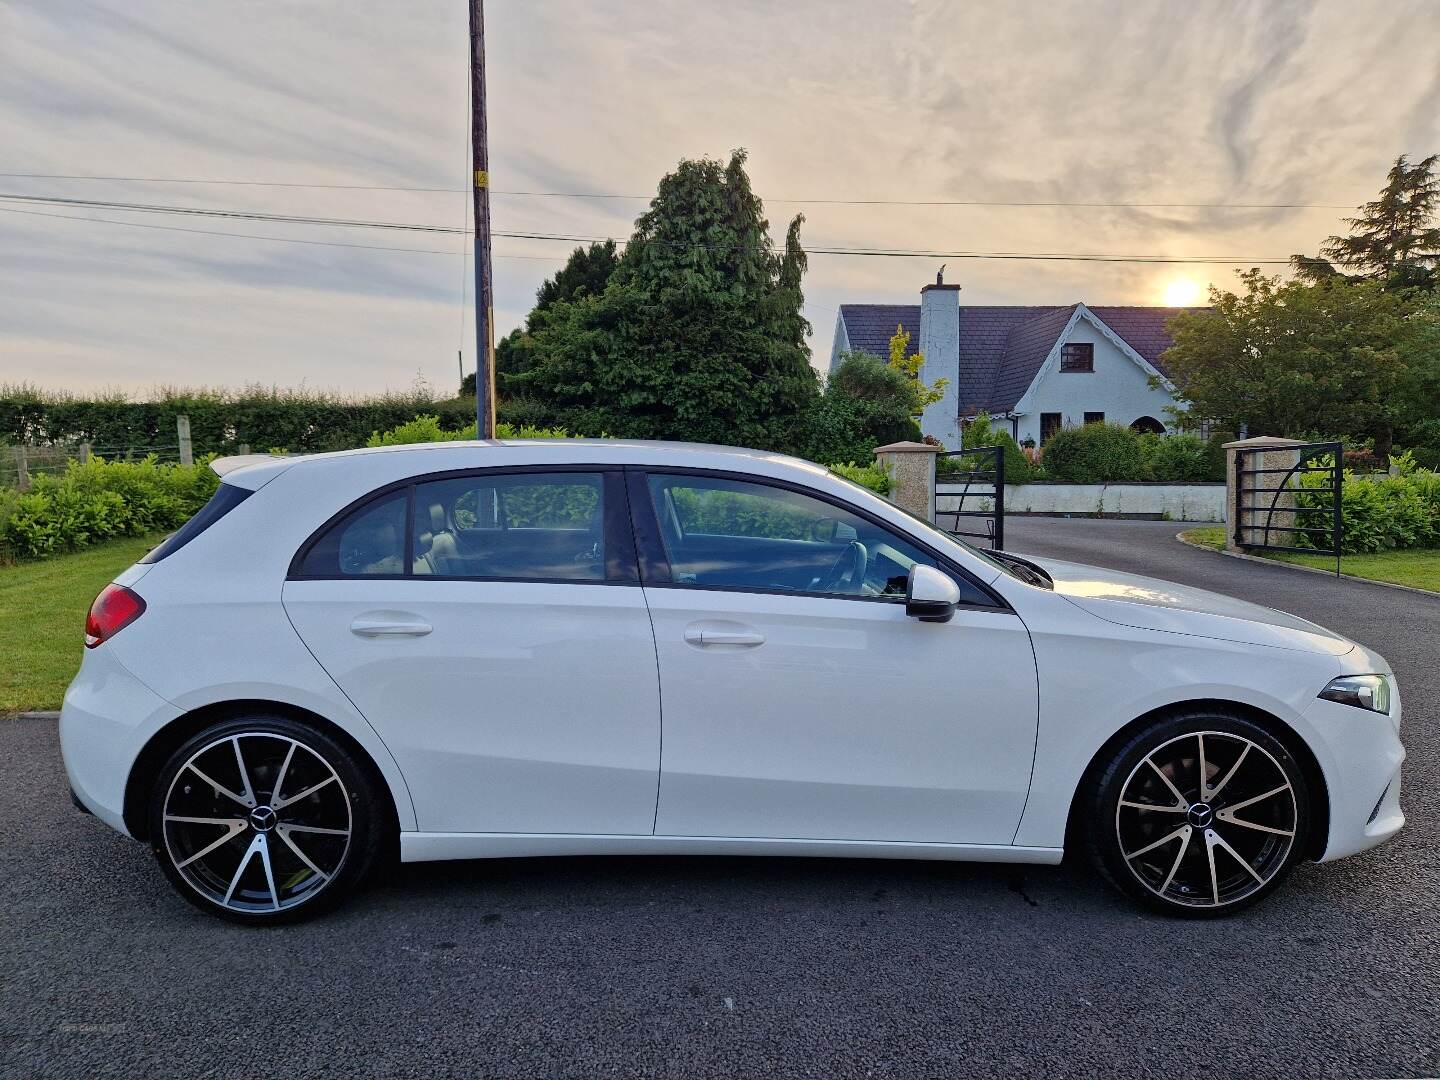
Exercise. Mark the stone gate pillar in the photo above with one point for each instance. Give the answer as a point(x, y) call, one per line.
point(1278, 454)
point(911, 466)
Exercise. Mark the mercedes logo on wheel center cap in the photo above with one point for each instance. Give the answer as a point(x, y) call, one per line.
point(1200, 815)
point(263, 819)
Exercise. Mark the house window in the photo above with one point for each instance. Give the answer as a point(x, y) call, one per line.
point(1049, 424)
point(1094, 418)
point(1077, 356)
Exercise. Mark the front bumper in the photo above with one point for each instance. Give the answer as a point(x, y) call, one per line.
point(1360, 754)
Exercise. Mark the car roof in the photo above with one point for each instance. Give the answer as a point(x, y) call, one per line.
point(253, 471)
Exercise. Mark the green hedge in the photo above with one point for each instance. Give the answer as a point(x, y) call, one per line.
point(427, 428)
point(1178, 459)
point(98, 500)
point(1114, 454)
point(1384, 513)
point(1094, 454)
point(871, 476)
point(300, 421)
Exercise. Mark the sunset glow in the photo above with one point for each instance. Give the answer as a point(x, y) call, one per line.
point(1184, 292)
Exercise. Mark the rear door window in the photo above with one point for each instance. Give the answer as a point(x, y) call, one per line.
point(531, 526)
point(526, 526)
point(370, 542)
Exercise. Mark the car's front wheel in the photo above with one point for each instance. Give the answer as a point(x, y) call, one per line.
point(262, 819)
point(1199, 814)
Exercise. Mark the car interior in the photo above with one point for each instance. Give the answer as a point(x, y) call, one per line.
point(510, 527)
point(732, 534)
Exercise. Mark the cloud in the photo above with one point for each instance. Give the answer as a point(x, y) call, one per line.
point(1103, 101)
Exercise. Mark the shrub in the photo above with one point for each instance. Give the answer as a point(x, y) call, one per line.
point(866, 404)
point(871, 476)
point(1427, 457)
point(1362, 460)
point(427, 429)
point(1381, 513)
point(101, 499)
point(1094, 454)
point(1215, 453)
point(1019, 469)
point(220, 420)
point(1175, 458)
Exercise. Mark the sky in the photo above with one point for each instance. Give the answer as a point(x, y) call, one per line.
point(1108, 101)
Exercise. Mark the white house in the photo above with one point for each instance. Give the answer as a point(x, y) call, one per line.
point(1039, 368)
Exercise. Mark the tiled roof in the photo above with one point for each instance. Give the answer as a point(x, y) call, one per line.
point(871, 326)
point(1001, 348)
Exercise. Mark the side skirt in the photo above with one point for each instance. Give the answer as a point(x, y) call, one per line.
point(431, 847)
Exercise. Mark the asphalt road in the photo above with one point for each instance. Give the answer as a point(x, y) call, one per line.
point(745, 967)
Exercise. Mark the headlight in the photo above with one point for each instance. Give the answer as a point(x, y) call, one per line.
point(1363, 691)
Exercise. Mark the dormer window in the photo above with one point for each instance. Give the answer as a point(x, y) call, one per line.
point(1077, 356)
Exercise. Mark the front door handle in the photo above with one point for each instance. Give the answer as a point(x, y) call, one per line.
point(697, 635)
point(376, 627)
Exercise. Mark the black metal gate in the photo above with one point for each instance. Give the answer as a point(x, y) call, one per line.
point(1289, 507)
point(980, 473)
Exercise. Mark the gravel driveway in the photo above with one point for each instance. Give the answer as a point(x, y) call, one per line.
point(745, 967)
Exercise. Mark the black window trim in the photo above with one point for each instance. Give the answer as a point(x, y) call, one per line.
point(655, 564)
point(621, 565)
point(1080, 367)
point(200, 522)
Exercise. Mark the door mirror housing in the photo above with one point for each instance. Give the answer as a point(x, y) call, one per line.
point(930, 595)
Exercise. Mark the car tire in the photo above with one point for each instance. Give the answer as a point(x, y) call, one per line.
point(262, 820)
point(1198, 848)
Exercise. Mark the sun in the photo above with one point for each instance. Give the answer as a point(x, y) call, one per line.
point(1184, 292)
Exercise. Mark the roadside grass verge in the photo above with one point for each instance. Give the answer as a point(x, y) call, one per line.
point(42, 633)
point(1418, 568)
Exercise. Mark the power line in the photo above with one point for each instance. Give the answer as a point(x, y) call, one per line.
point(255, 236)
point(238, 215)
point(224, 183)
point(891, 253)
point(1001, 203)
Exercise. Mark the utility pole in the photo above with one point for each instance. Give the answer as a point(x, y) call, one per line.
point(484, 306)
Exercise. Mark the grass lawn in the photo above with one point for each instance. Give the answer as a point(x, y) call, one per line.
point(1419, 568)
point(43, 633)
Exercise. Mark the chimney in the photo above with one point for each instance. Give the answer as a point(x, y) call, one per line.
point(940, 344)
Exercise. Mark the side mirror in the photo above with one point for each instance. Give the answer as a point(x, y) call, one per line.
point(930, 596)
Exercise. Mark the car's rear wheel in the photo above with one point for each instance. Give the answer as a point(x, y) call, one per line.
point(262, 819)
point(1199, 814)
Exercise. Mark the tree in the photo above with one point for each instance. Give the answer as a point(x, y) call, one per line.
point(1394, 240)
point(698, 334)
point(585, 273)
point(866, 403)
point(1297, 358)
point(910, 366)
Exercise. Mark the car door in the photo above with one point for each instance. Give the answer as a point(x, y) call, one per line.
point(491, 627)
point(799, 700)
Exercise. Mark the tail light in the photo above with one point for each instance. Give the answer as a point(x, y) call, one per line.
point(114, 609)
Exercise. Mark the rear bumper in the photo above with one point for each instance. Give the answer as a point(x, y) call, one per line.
point(106, 719)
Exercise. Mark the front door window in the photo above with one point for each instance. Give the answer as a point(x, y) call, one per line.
point(731, 534)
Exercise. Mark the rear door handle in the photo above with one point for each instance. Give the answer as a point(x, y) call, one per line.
point(373, 627)
point(699, 636)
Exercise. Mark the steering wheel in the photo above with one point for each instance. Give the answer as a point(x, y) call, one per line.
point(849, 570)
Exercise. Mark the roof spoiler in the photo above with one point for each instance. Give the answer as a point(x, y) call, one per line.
point(223, 466)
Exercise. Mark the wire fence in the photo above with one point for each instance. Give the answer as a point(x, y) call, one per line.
point(21, 465)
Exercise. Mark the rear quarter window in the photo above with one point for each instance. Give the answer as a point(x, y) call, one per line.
point(225, 499)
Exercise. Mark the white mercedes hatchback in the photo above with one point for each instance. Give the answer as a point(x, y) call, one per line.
point(472, 650)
